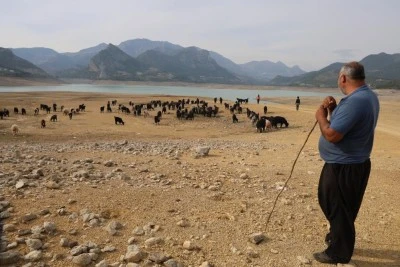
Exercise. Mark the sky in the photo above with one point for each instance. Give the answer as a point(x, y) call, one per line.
point(309, 33)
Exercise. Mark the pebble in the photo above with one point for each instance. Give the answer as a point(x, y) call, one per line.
point(83, 259)
point(34, 255)
point(257, 238)
point(189, 245)
point(34, 244)
point(28, 217)
point(350, 264)
point(134, 254)
point(10, 227)
point(20, 184)
point(9, 257)
point(153, 241)
point(304, 260)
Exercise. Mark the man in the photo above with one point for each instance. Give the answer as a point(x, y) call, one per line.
point(345, 146)
point(297, 103)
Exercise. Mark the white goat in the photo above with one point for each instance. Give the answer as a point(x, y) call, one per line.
point(14, 129)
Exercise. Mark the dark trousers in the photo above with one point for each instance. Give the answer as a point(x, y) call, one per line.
point(340, 193)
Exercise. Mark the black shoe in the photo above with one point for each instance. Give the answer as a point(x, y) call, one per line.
point(322, 257)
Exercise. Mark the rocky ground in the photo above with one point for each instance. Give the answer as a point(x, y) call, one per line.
point(86, 192)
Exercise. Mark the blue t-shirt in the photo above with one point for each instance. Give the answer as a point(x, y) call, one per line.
point(355, 117)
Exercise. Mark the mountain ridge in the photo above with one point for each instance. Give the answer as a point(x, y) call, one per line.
point(163, 61)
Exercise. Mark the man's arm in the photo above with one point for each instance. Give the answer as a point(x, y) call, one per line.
point(322, 118)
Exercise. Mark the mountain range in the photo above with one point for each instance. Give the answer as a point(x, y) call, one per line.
point(146, 60)
point(381, 71)
point(13, 66)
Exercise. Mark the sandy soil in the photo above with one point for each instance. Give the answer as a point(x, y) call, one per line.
point(222, 198)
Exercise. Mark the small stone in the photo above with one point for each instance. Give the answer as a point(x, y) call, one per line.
point(102, 263)
point(38, 172)
point(64, 242)
point(350, 264)
point(11, 246)
point(34, 255)
point(28, 217)
point(189, 245)
point(83, 259)
point(34, 244)
point(244, 176)
point(251, 253)
point(109, 163)
point(183, 223)
point(9, 227)
point(71, 201)
point(153, 241)
point(77, 250)
point(257, 238)
point(134, 254)
point(202, 150)
point(49, 227)
point(206, 264)
point(112, 227)
point(158, 257)
point(52, 185)
point(172, 263)
point(131, 240)
point(20, 184)
point(108, 249)
point(304, 260)
point(4, 214)
point(138, 231)
point(9, 257)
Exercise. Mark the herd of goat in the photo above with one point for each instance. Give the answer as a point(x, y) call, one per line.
point(185, 109)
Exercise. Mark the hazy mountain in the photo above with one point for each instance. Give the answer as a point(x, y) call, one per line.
point(83, 57)
point(189, 64)
point(114, 64)
point(266, 70)
point(164, 61)
point(258, 70)
point(136, 47)
point(326, 77)
point(226, 63)
point(45, 58)
point(381, 70)
point(14, 66)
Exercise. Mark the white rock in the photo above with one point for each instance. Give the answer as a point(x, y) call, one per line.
point(153, 241)
point(304, 260)
point(257, 238)
point(189, 245)
point(102, 263)
point(34, 244)
point(20, 184)
point(34, 255)
point(49, 227)
point(83, 259)
point(244, 176)
point(202, 150)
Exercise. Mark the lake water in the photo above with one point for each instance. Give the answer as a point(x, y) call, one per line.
point(226, 94)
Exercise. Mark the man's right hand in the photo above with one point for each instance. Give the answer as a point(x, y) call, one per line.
point(329, 103)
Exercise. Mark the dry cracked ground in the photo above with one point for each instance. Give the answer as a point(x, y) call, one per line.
point(87, 192)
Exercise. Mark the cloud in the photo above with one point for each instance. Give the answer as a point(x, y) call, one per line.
point(346, 54)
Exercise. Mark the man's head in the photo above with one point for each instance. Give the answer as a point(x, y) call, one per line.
point(351, 76)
